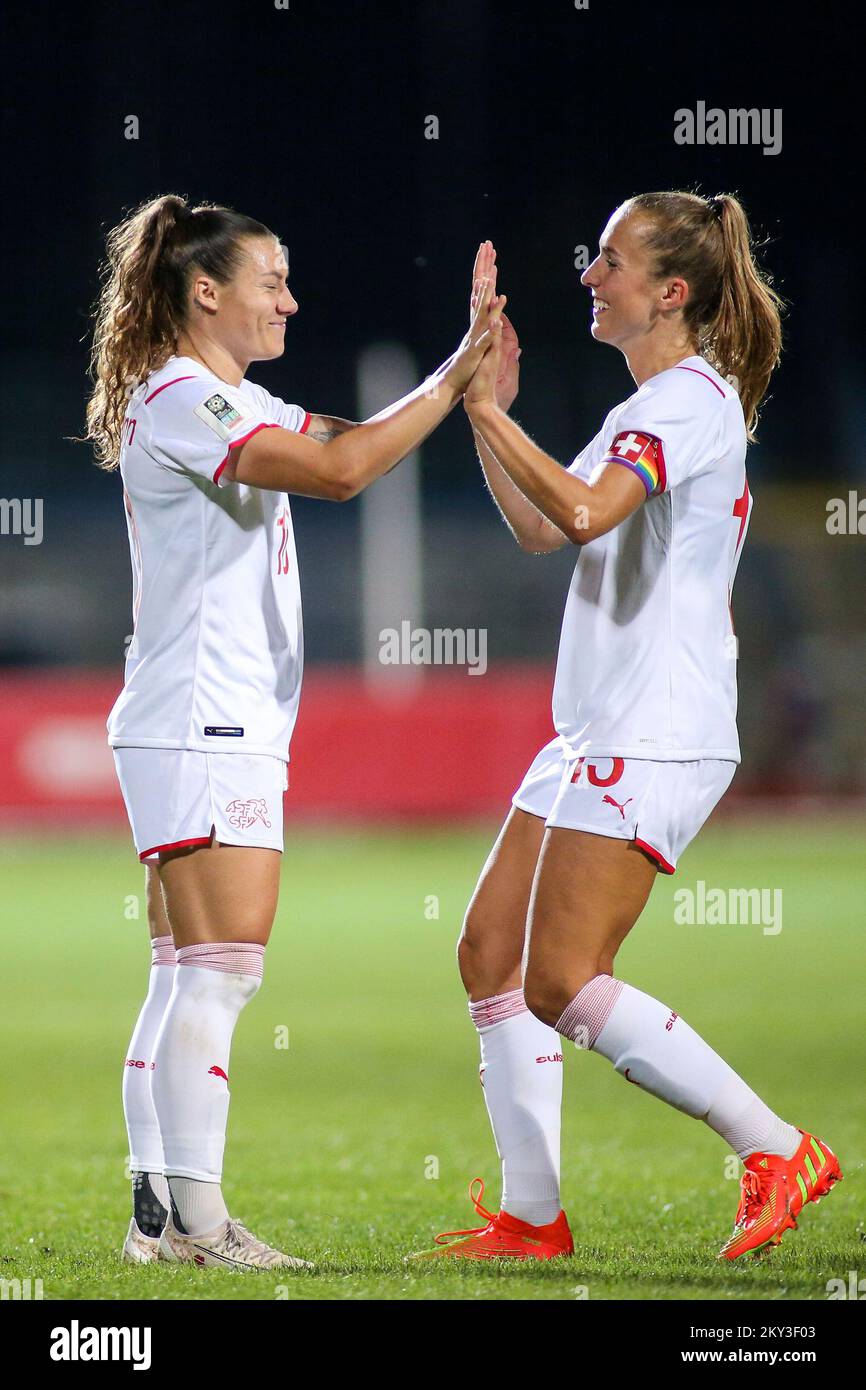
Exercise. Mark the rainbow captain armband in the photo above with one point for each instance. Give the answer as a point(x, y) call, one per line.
point(644, 455)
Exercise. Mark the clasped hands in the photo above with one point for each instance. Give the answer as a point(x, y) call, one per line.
point(487, 362)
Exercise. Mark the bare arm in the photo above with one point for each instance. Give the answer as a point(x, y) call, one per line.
point(580, 511)
point(532, 531)
point(345, 459)
point(325, 427)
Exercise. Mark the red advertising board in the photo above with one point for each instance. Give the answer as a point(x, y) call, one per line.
point(451, 744)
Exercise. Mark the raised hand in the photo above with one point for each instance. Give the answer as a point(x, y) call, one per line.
point(508, 376)
point(508, 369)
point(483, 269)
point(484, 384)
point(478, 340)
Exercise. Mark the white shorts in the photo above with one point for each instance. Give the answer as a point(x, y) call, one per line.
point(176, 797)
point(659, 805)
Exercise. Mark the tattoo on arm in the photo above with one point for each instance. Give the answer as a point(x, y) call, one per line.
point(325, 427)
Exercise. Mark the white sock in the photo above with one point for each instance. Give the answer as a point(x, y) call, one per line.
point(197, 1207)
point(142, 1127)
point(652, 1046)
point(521, 1072)
point(189, 1083)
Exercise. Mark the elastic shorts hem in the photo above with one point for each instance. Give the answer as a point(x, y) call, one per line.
point(653, 853)
point(246, 844)
point(177, 844)
point(208, 840)
point(521, 806)
point(664, 866)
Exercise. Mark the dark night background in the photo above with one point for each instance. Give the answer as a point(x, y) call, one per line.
point(312, 119)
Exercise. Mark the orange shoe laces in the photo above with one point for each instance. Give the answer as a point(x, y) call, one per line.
point(446, 1237)
point(756, 1186)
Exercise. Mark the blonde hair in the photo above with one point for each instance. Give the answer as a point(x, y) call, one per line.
point(142, 306)
point(732, 308)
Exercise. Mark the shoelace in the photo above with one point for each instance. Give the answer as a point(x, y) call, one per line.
point(446, 1237)
point(756, 1188)
point(240, 1240)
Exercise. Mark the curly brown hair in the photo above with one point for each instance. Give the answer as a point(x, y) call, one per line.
point(142, 306)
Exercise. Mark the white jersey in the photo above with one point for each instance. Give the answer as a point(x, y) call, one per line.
point(216, 656)
point(647, 656)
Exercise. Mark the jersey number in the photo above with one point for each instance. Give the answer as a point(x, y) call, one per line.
point(593, 778)
point(741, 510)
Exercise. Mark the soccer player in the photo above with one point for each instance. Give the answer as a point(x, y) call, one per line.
point(201, 729)
point(644, 708)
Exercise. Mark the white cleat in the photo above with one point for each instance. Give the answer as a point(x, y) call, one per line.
point(230, 1245)
point(139, 1249)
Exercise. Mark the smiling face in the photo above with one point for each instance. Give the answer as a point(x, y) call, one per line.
point(627, 303)
point(248, 314)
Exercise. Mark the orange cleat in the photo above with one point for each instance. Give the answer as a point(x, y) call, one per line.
point(503, 1238)
point(774, 1192)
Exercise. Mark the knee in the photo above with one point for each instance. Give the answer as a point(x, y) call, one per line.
point(489, 963)
point(470, 958)
point(548, 995)
point(464, 958)
point(545, 998)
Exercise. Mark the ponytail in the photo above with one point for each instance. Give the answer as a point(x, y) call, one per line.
point(745, 333)
point(732, 308)
point(142, 306)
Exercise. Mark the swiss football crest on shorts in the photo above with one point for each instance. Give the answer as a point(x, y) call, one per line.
point(643, 454)
point(220, 414)
point(243, 814)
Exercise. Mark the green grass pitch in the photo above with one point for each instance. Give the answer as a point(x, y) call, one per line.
point(355, 1144)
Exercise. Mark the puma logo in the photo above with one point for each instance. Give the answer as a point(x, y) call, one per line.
point(620, 808)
